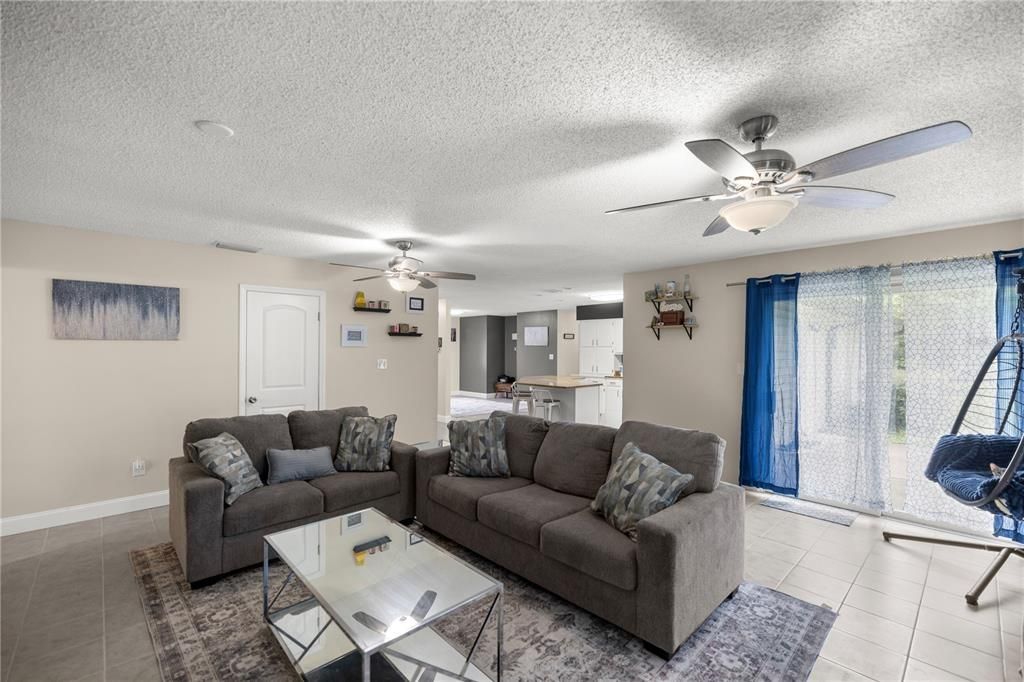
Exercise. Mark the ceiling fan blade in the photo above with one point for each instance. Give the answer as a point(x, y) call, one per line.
point(424, 282)
point(707, 197)
point(363, 279)
point(722, 158)
point(447, 275)
point(890, 149)
point(369, 621)
point(364, 267)
point(840, 197)
point(717, 226)
point(422, 608)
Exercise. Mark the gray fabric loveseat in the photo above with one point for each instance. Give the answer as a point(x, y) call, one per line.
point(211, 538)
point(688, 558)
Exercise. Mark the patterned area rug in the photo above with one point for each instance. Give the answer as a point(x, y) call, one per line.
point(217, 632)
point(815, 511)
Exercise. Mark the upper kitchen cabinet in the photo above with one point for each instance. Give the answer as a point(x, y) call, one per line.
point(601, 334)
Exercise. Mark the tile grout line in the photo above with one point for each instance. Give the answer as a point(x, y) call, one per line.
point(103, 599)
point(917, 615)
point(31, 591)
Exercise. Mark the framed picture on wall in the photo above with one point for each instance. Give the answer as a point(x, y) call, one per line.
point(568, 337)
point(453, 334)
point(353, 335)
point(535, 336)
point(415, 304)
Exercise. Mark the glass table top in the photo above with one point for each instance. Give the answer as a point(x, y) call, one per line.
point(394, 589)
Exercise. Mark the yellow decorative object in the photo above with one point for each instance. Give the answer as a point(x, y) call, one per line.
point(360, 558)
point(360, 299)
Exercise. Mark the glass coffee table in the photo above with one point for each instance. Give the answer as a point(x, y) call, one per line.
point(377, 586)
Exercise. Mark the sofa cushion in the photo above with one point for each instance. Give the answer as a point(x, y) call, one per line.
point(355, 487)
point(315, 428)
point(478, 447)
point(460, 494)
point(574, 458)
point(523, 438)
point(298, 465)
point(257, 433)
point(685, 450)
point(587, 543)
point(224, 457)
point(522, 512)
point(365, 443)
point(271, 505)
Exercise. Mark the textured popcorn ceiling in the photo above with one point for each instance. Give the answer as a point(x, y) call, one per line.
point(495, 135)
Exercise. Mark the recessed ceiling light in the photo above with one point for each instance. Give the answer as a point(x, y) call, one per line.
point(456, 312)
point(605, 296)
point(214, 129)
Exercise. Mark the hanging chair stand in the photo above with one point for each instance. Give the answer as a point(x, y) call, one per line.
point(968, 419)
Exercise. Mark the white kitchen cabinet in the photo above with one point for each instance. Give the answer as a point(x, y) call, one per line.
point(596, 362)
point(610, 403)
point(616, 330)
point(601, 334)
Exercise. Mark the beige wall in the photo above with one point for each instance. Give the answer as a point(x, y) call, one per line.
point(699, 383)
point(76, 413)
point(568, 357)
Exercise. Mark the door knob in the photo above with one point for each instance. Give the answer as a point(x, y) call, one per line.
point(251, 400)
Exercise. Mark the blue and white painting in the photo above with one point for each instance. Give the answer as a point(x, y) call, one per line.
point(107, 311)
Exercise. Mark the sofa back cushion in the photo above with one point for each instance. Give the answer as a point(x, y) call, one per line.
point(523, 438)
point(317, 428)
point(687, 451)
point(574, 458)
point(257, 433)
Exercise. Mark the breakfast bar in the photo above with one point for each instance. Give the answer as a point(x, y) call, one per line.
point(578, 398)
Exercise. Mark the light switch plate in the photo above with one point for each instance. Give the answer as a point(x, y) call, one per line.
point(551, 356)
point(139, 467)
point(382, 363)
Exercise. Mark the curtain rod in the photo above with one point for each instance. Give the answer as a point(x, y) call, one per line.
point(1002, 256)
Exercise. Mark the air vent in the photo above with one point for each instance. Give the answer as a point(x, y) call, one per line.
point(237, 247)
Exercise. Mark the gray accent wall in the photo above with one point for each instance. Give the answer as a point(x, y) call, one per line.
point(481, 352)
point(533, 360)
point(510, 346)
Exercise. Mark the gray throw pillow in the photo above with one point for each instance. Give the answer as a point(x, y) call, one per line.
point(224, 457)
point(638, 486)
point(478, 448)
point(365, 443)
point(298, 465)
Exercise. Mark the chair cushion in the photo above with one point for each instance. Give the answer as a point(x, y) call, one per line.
point(574, 458)
point(685, 450)
point(523, 438)
point(478, 447)
point(522, 512)
point(257, 433)
point(355, 487)
point(638, 486)
point(587, 543)
point(271, 505)
point(224, 457)
point(365, 443)
point(460, 494)
point(316, 428)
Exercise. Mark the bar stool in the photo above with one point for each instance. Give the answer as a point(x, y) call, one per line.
point(522, 393)
point(546, 403)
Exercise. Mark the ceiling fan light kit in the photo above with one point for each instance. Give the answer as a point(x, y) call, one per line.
point(403, 272)
point(765, 185)
point(403, 283)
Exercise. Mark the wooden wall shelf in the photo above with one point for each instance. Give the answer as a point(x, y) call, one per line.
point(688, 300)
point(370, 310)
point(657, 329)
point(404, 334)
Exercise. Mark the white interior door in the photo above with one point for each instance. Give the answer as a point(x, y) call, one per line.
point(282, 351)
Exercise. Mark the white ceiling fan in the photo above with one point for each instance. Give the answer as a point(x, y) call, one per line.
point(403, 272)
point(765, 185)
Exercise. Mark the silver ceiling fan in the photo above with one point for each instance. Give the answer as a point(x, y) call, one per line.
point(765, 185)
point(403, 272)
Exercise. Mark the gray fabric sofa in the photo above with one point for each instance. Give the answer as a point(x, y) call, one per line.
point(537, 523)
point(212, 539)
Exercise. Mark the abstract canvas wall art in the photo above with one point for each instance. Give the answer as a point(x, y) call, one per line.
point(108, 311)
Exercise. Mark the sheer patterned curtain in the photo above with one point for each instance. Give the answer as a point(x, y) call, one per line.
point(949, 325)
point(845, 346)
point(1007, 264)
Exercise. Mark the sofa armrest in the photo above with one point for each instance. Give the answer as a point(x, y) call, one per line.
point(196, 518)
point(403, 462)
point(429, 463)
point(689, 559)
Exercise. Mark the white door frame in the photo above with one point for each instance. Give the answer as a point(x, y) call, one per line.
point(321, 295)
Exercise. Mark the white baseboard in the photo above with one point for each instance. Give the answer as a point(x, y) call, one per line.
point(471, 394)
point(81, 512)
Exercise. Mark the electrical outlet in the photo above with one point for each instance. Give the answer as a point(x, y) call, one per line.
point(382, 363)
point(139, 467)
point(551, 356)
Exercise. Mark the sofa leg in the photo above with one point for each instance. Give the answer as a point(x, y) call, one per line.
point(657, 651)
point(199, 584)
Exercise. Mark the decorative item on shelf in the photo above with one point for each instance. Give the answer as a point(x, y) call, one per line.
point(670, 288)
point(384, 305)
point(689, 319)
point(686, 286)
point(372, 305)
point(414, 329)
point(671, 317)
point(650, 295)
point(403, 328)
point(393, 329)
point(360, 300)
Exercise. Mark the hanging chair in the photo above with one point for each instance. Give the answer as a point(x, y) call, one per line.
point(979, 463)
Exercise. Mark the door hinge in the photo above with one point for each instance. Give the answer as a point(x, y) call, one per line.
point(318, 317)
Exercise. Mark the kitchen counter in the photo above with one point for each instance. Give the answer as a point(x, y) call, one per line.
point(552, 381)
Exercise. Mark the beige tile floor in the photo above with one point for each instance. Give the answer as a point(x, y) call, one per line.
point(70, 609)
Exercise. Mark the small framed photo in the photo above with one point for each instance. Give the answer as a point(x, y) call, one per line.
point(568, 337)
point(415, 304)
point(353, 335)
point(453, 335)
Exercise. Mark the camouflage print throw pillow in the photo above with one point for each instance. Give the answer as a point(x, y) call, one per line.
point(365, 443)
point(224, 457)
point(478, 448)
point(638, 486)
